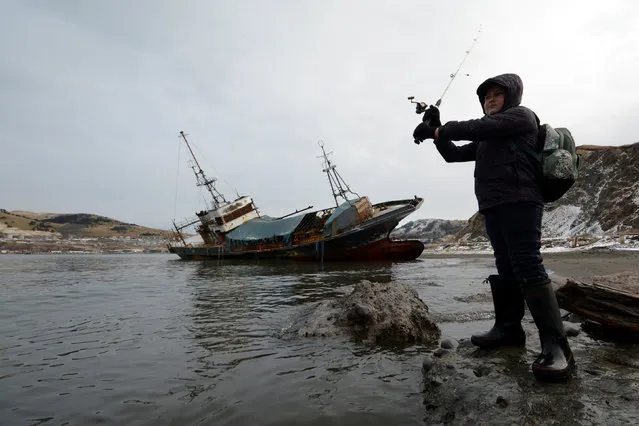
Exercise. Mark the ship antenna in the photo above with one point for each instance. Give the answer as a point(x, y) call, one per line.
point(202, 180)
point(339, 187)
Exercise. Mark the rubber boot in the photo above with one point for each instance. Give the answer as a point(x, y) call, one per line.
point(556, 361)
point(509, 311)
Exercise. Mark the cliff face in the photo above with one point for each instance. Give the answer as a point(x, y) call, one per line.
point(605, 196)
point(604, 199)
point(428, 230)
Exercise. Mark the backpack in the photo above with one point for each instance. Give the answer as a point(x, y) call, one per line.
point(558, 161)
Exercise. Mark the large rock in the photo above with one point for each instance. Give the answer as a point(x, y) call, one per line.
point(378, 313)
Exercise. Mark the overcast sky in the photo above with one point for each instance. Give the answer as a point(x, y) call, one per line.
point(94, 94)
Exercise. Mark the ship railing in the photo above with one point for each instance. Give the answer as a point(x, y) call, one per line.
point(186, 223)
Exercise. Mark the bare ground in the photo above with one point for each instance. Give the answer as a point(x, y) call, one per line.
point(584, 265)
point(469, 386)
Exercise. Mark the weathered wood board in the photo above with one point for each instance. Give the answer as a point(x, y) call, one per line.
point(611, 300)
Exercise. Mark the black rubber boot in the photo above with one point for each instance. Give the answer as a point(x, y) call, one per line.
point(556, 361)
point(509, 311)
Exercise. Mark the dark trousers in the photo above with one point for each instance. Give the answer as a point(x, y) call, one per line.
point(515, 234)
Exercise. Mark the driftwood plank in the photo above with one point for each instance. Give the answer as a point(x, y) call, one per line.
point(611, 300)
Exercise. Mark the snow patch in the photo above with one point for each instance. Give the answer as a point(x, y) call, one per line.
point(561, 221)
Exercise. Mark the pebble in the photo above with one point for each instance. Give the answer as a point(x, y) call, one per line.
point(439, 352)
point(592, 371)
point(481, 371)
point(428, 364)
point(436, 381)
point(448, 344)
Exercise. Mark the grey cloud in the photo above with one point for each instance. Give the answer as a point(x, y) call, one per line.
point(94, 94)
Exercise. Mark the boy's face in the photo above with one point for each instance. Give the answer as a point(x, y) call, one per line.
point(494, 100)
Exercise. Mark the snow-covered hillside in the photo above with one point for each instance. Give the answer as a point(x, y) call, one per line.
point(428, 230)
point(603, 201)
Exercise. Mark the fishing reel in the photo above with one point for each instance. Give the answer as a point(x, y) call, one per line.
point(420, 107)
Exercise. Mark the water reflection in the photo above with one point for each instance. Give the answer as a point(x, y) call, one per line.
point(151, 340)
point(240, 307)
point(283, 282)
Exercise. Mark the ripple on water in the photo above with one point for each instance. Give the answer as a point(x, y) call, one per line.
point(147, 339)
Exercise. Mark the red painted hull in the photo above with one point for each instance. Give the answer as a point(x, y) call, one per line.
point(384, 249)
point(381, 250)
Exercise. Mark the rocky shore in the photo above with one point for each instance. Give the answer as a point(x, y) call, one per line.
point(466, 385)
point(81, 245)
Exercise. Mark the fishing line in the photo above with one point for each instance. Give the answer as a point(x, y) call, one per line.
point(452, 76)
point(420, 107)
point(177, 180)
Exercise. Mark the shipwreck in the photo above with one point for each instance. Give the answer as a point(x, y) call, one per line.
point(352, 230)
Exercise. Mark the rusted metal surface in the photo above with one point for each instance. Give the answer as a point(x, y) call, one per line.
point(237, 213)
point(381, 250)
point(364, 241)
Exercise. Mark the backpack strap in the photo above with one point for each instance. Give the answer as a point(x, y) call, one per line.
point(541, 135)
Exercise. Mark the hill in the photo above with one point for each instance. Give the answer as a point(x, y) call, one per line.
point(78, 225)
point(428, 230)
point(603, 201)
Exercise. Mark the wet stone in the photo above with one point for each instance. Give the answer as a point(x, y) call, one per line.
point(571, 331)
point(448, 344)
point(439, 352)
point(501, 402)
point(428, 364)
point(592, 371)
point(481, 370)
point(359, 314)
point(377, 313)
point(436, 381)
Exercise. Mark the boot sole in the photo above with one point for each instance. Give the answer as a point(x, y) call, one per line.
point(545, 375)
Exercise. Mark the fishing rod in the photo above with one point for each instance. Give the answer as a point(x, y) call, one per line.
point(420, 107)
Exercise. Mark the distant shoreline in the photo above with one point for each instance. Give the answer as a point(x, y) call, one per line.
point(632, 252)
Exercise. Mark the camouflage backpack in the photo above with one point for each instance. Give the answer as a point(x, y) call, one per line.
point(558, 161)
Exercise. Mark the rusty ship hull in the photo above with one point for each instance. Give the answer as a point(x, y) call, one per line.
point(352, 230)
point(366, 241)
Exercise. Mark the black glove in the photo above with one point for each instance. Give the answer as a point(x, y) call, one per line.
point(423, 131)
point(431, 116)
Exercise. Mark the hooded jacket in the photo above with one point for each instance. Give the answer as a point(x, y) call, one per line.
point(504, 173)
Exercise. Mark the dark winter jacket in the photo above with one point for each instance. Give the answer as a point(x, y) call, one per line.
point(504, 173)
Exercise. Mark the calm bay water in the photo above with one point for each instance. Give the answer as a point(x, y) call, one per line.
point(149, 339)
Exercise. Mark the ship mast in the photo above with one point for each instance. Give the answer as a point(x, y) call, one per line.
point(339, 187)
point(202, 180)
